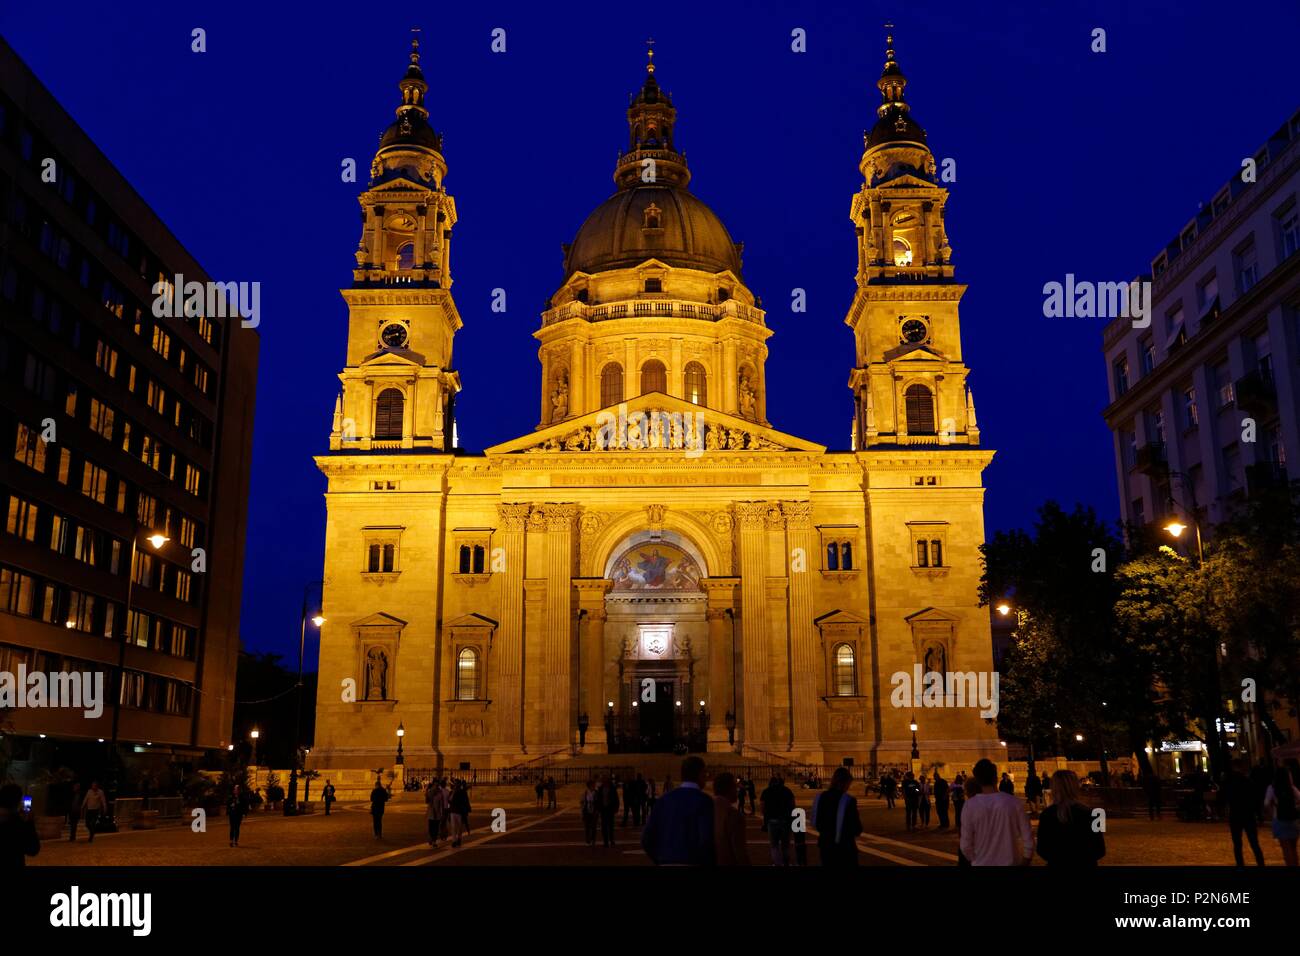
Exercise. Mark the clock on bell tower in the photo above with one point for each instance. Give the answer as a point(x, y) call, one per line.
point(909, 382)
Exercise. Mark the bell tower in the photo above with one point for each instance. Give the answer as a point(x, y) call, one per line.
point(399, 386)
point(909, 382)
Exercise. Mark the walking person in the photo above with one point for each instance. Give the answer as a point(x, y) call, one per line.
point(93, 806)
point(1007, 785)
point(680, 832)
point(639, 801)
point(589, 812)
point(995, 829)
point(778, 812)
point(958, 798)
point(460, 808)
point(550, 793)
point(941, 799)
point(911, 799)
point(378, 797)
point(752, 792)
point(18, 837)
point(236, 809)
point(888, 789)
point(1066, 837)
point(608, 809)
point(728, 823)
point(1033, 792)
point(540, 789)
point(435, 808)
point(1239, 798)
point(1282, 798)
point(836, 819)
point(923, 801)
point(328, 794)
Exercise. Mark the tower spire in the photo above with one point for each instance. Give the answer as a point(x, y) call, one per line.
point(892, 83)
point(412, 84)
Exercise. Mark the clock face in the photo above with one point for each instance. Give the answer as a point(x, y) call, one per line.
point(914, 330)
point(394, 335)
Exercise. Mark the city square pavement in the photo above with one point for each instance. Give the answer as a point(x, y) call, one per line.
point(554, 837)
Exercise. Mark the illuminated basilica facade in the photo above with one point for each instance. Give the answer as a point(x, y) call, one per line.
point(656, 565)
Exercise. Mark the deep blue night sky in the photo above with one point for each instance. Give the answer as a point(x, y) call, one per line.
point(1067, 161)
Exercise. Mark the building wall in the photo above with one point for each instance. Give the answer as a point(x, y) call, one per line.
point(80, 253)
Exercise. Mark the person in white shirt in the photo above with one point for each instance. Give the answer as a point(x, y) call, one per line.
point(995, 829)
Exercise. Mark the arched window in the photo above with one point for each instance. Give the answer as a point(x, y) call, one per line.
point(611, 385)
point(846, 556)
point(479, 554)
point(388, 413)
point(936, 553)
point(464, 559)
point(406, 255)
point(846, 671)
point(902, 252)
point(832, 557)
point(922, 554)
point(695, 384)
point(467, 674)
point(654, 377)
point(920, 410)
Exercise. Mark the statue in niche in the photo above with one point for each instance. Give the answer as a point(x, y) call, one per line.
point(560, 397)
point(935, 660)
point(376, 674)
point(748, 402)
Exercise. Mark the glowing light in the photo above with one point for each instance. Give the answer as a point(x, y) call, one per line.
point(1004, 609)
point(1176, 528)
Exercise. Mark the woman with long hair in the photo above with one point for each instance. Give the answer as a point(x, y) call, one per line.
point(1282, 797)
point(1068, 834)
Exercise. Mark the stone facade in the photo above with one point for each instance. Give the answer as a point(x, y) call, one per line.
point(656, 557)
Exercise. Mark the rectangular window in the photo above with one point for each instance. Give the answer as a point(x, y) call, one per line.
point(94, 482)
point(1223, 382)
point(1190, 416)
point(162, 342)
point(1289, 231)
point(1246, 265)
point(17, 592)
point(1121, 376)
point(106, 358)
point(193, 480)
point(59, 534)
point(1264, 357)
point(1147, 350)
point(84, 548)
point(101, 419)
point(21, 520)
point(1207, 293)
point(30, 448)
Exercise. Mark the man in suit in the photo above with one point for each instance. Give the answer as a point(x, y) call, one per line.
point(680, 831)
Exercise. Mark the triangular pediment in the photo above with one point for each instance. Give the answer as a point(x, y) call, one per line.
point(906, 181)
point(930, 614)
point(394, 357)
point(470, 620)
point(840, 617)
point(915, 352)
point(379, 619)
point(655, 422)
point(399, 184)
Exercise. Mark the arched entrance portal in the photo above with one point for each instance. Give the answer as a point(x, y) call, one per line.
point(655, 614)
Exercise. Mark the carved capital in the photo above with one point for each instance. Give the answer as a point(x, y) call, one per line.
point(512, 516)
point(559, 517)
point(751, 514)
point(797, 513)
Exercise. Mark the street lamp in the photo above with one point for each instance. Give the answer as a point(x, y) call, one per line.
point(1004, 609)
point(156, 540)
point(401, 732)
point(255, 735)
point(291, 805)
point(916, 751)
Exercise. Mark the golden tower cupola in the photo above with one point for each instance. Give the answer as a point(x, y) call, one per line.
point(653, 299)
point(399, 385)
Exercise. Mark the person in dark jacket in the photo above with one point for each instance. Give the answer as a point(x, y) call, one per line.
point(1066, 836)
point(777, 804)
point(1241, 801)
point(378, 797)
point(607, 805)
point(680, 831)
point(236, 809)
point(911, 798)
point(835, 816)
point(18, 839)
point(459, 807)
point(329, 796)
point(1007, 785)
point(941, 799)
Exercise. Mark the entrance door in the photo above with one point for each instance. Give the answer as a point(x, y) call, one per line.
point(657, 718)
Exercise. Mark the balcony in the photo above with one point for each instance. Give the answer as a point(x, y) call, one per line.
point(1152, 459)
point(1256, 392)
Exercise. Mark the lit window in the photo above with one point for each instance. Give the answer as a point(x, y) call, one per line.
point(846, 676)
point(467, 674)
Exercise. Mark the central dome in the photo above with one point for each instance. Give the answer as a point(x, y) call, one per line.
point(652, 221)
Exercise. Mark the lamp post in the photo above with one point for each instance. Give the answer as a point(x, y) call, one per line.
point(1176, 528)
point(156, 541)
point(916, 750)
point(401, 732)
point(256, 736)
point(291, 805)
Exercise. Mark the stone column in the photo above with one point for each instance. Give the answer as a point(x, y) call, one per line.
point(754, 717)
point(803, 633)
point(720, 615)
point(730, 387)
point(510, 653)
point(592, 657)
point(558, 722)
